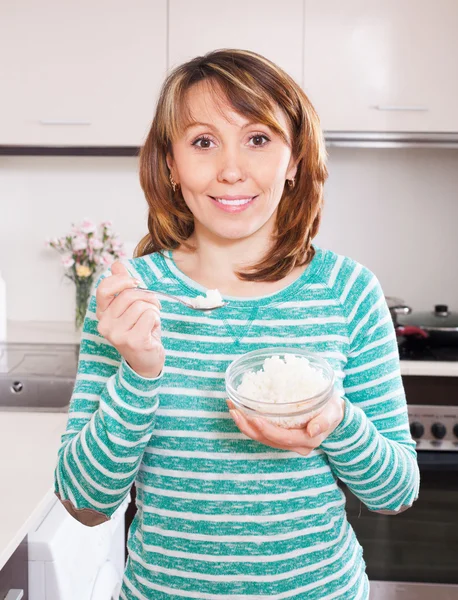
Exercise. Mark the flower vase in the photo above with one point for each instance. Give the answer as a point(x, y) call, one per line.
point(83, 293)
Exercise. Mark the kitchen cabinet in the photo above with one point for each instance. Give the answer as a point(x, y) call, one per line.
point(80, 73)
point(382, 66)
point(268, 27)
point(14, 577)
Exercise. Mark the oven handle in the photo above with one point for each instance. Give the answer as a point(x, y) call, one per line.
point(435, 460)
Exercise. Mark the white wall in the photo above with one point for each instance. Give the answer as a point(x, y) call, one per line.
point(395, 210)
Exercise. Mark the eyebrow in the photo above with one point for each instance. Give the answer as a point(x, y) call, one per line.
point(197, 123)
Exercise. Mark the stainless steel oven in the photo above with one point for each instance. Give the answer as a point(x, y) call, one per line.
point(414, 555)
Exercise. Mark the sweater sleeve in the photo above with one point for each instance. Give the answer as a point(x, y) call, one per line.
point(372, 450)
point(111, 419)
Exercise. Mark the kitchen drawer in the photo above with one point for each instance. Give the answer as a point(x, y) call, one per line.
point(15, 574)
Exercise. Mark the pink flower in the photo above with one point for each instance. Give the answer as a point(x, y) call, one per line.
point(79, 243)
point(107, 224)
point(88, 226)
point(107, 259)
point(117, 245)
point(67, 261)
point(95, 243)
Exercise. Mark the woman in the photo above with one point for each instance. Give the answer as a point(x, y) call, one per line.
point(228, 508)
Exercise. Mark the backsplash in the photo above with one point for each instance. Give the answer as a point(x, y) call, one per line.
point(394, 210)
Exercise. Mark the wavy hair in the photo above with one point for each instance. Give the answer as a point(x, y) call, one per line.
point(254, 87)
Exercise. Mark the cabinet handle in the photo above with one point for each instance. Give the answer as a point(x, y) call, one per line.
point(405, 108)
point(64, 122)
point(14, 595)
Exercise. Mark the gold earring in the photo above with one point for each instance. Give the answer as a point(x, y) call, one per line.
point(291, 182)
point(174, 185)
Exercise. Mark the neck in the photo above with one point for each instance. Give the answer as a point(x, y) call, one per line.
point(216, 260)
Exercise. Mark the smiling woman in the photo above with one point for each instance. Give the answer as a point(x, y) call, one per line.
point(232, 508)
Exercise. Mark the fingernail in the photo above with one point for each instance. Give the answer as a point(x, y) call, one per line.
point(137, 282)
point(314, 430)
point(234, 415)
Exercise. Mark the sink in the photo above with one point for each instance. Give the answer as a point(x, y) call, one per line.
point(37, 377)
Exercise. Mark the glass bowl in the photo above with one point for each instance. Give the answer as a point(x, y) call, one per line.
point(286, 414)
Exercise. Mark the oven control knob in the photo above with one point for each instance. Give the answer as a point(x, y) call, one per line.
point(455, 430)
point(438, 430)
point(416, 429)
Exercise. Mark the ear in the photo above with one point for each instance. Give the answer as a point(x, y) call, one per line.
point(292, 169)
point(169, 161)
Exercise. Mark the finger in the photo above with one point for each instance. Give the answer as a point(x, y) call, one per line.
point(325, 420)
point(129, 297)
point(119, 268)
point(244, 424)
point(109, 288)
point(280, 435)
point(132, 314)
point(141, 331)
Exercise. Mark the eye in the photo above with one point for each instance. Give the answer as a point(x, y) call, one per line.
point(202, 138)
point(258, 136)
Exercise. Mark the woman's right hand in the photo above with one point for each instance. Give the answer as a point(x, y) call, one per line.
point(130, 320)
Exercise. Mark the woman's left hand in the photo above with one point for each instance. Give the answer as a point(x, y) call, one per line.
point(301, 440)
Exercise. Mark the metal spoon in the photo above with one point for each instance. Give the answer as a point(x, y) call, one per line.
point(206, 309)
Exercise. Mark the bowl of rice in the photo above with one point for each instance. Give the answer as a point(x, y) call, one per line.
point(286, 386)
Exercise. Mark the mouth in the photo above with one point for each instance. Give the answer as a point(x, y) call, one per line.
point(236, 205)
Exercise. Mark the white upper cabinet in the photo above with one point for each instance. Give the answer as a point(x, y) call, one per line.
point(83, 73)
point(382, 66)
point(269, 27)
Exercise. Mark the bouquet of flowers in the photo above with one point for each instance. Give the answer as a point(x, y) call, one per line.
point(86, 252)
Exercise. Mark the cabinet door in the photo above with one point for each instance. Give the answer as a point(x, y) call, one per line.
point(80, 73)
point(14, 576)
point(268, 27)
point(382, 66)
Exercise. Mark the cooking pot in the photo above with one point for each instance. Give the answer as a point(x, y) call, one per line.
point(439, 326)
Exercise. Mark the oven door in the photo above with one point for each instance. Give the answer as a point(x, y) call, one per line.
point(414, 555)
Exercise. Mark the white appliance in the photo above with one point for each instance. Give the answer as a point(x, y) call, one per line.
point(69, 561)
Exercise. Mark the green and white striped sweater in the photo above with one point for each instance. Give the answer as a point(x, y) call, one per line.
point(222, 517)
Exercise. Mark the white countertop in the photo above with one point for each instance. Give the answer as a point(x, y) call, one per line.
point(28, 454)
point(429, 367)
point(63, 332)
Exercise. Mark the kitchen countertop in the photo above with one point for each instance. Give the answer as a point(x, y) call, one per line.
point(430, 367)
point(63, 332)
point(29, 442)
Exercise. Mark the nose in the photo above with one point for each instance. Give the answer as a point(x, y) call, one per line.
point(231, 166)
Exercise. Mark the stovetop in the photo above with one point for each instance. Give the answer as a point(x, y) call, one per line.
point(421, 349)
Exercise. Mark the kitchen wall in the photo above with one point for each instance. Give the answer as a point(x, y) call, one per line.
point(394, 210)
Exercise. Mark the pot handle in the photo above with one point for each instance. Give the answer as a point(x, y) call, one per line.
point(397, 307)
point(407, 330)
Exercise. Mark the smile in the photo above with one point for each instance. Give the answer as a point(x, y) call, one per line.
point(235, 205)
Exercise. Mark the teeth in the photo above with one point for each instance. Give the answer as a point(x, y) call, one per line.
point(235, 202)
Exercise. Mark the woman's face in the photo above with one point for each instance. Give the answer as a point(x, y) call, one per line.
point(245, 164)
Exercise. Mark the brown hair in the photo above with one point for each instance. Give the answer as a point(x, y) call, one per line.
point(254, 87)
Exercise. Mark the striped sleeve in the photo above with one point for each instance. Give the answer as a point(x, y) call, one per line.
point(372, 450)
point(111, 419)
